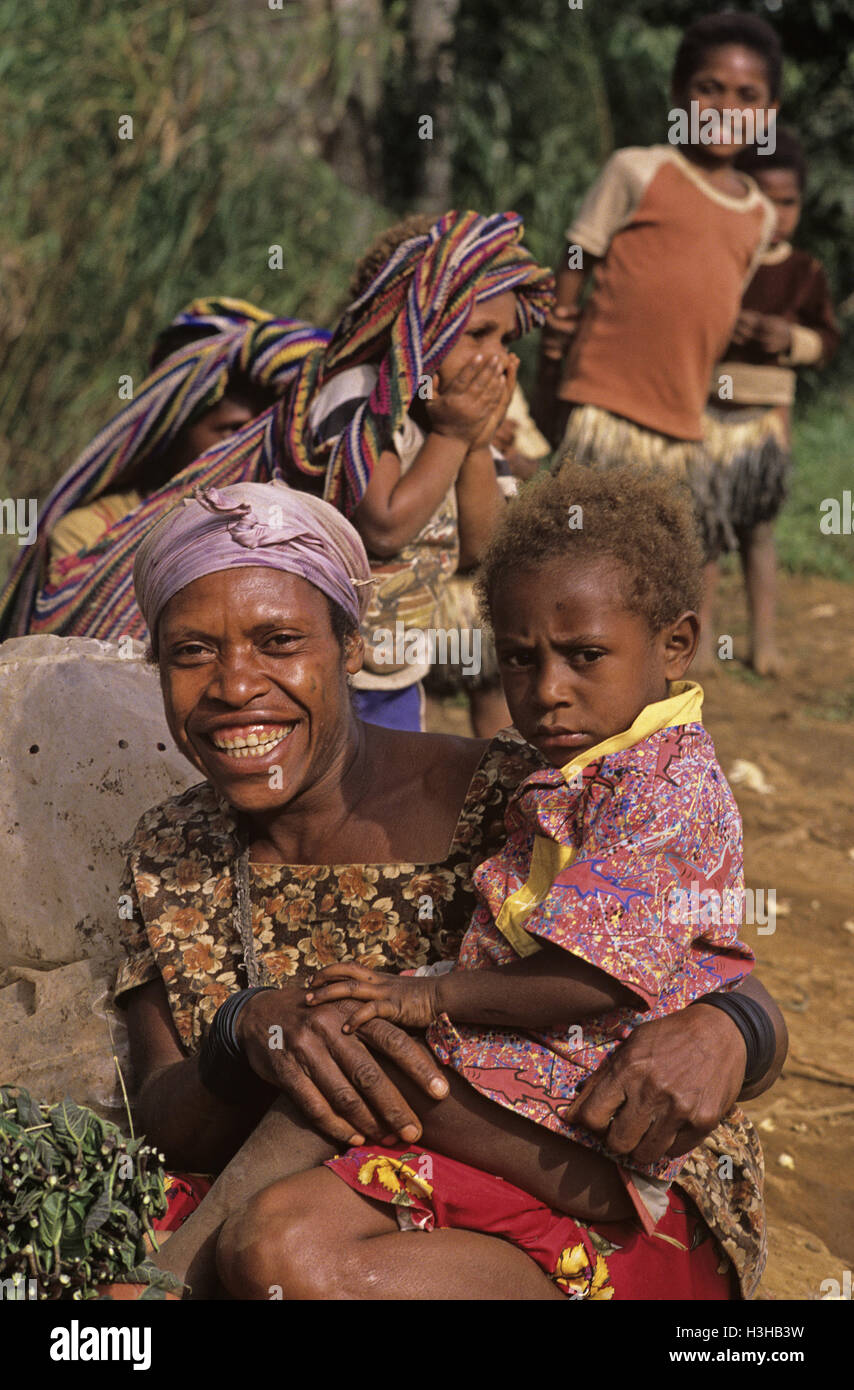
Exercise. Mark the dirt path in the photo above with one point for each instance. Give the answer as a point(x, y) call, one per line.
point(799, 842)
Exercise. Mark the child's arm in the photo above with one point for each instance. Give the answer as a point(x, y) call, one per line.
point(558, 330)
point(809, 341)
point(396, 505)
point(562, 321)
point(550, 988)
point(814, 338)
point(480, 505)
point(480, 501)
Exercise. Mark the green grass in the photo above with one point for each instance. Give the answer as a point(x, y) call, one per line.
point(823, 467)
point(834, 706)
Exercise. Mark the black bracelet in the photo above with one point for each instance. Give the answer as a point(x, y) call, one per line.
point(755, 1027)
point(223, 1069)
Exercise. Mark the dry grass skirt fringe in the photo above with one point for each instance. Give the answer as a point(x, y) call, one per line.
point(736, 475)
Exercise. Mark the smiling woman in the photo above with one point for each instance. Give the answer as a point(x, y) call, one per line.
point(238, 596)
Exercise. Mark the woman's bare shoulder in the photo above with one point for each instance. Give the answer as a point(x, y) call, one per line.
point(404, 757)
point(440, 762)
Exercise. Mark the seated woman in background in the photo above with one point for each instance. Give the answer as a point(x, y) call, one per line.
point(316, 838)
point(200, 398)
point(218, 365)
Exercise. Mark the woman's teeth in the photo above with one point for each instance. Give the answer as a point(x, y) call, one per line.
point(252, 745)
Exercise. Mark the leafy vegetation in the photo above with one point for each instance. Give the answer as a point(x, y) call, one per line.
point(77, 1198)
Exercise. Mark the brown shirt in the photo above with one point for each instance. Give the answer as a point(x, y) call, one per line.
point(677, 254)
point(792, 285)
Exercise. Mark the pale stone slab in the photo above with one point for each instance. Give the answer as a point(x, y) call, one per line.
point(84, 750)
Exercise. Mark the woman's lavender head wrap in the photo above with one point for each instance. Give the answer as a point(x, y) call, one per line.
point(268, 524)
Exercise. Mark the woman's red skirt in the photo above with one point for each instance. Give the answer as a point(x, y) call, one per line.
point(184, 1192)
point(679, 1260)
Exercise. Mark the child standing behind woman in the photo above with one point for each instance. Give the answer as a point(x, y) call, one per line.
point(416, 381)
point(672, 237)
point(786, 322)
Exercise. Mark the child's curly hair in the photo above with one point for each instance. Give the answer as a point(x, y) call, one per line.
point(415, 224)
point(644, 521)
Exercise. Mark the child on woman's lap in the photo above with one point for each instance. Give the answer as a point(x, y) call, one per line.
point(602, 910)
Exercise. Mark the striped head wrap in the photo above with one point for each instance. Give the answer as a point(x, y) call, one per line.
point(408, 319)
point(232, 336)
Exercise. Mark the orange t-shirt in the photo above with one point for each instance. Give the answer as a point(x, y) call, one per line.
point(677, 256)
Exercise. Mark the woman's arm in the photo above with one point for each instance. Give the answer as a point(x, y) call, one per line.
point(480, 505)
point(754, 989)
point(174, 1110)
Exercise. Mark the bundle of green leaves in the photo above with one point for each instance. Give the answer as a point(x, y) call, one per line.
point(78, 1199)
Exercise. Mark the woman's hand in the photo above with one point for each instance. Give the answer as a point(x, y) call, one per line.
point(467, 407)
point(332, 1076)
point(406, 1000)
point(665, 1088)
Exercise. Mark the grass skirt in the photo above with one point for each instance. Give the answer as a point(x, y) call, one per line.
point(749, 449)
point(599, 439)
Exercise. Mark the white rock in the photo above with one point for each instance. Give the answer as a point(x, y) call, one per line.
point(84, 750)
point(749, 775)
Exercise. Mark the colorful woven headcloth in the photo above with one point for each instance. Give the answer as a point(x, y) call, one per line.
point(234, 337)
point(407, 320)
